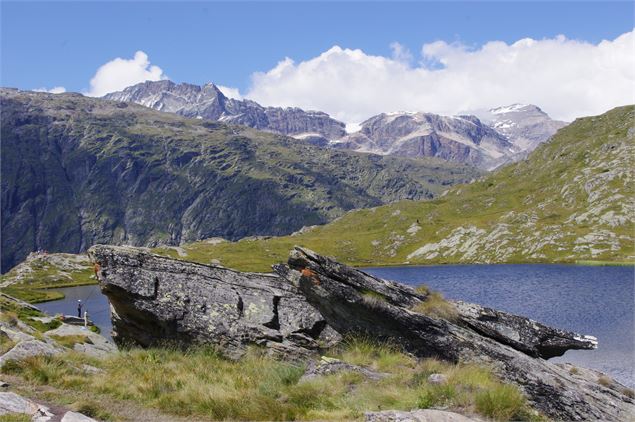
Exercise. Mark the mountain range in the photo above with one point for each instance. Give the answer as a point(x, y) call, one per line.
point(495, 137)
point(571, 200)
point(77, 171)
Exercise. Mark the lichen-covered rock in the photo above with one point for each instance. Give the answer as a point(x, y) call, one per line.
point(156, 299)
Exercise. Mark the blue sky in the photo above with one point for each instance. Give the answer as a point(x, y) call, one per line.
point(63, 44)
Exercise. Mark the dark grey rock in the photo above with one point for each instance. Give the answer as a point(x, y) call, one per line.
point(156, 300)
point(339, 294)
point(526, 335)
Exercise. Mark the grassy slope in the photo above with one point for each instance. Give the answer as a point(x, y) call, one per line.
point(571, 200)
point(34, 279)
point(199, 383)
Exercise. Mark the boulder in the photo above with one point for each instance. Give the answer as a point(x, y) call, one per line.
point(155, 300)
point(28, 348)
point(76, 417)
point(340, 294)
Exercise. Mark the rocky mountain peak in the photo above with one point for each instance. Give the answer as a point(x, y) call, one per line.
point(208, 102)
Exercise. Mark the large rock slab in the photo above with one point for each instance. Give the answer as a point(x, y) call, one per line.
point(340, 293)
point(155, 299)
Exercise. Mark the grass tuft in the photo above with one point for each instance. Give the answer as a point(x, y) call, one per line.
point(437, 307)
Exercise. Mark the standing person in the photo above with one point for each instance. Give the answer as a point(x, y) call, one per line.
point(79, 308)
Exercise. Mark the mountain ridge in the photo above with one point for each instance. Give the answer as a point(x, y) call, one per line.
point(571, 200)
point(507, 136)
point(79, 171)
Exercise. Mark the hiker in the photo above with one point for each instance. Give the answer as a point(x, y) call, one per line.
point(79, 308)
point(96, 268)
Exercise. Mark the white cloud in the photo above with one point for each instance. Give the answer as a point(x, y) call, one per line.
point(54, 90)
point(401, 53)
point(120, 73)
point(230, 92)
point(567, 78)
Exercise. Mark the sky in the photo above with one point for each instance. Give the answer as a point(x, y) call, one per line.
point(349, 59)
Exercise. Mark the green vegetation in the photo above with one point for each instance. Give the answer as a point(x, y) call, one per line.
point(200, 383)
point(11, 312)
point(15, 417)
point(34, 279)
point(570, 201)
point(435, 305)
point(71, 340)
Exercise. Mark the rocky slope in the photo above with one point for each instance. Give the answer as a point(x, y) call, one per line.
point(463, 139)
point(573, 199)
point(525, 125)
point(208, 102)
point(156, 298)
point(79, 171)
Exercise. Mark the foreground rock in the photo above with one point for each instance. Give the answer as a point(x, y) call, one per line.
point(421, 415)
point(340, 294)
point(156, 300)
point(314, 300)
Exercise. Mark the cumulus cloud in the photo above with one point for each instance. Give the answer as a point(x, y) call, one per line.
point(230, 92)
point(54, 90)
point(567, 78)
point(120, 73)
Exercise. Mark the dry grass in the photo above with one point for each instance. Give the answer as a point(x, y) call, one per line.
point(200, 383)
point(605, 381)
point(435, 305)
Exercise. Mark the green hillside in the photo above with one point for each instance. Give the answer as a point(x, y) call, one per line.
point(78, 171)
point(572, 200)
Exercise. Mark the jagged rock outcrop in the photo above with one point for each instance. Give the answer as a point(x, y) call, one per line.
point(208, 102)
point(313, 301)
point(156, 300)
point(340, 294)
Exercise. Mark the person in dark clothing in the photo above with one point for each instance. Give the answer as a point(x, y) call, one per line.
point(79, 308)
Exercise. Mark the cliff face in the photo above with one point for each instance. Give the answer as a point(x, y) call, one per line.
point(79, 171)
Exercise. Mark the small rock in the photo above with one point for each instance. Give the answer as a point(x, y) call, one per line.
point(328, 366)
point(3, 384)
point(421, 415)
point(76, 417)
point(437, 379)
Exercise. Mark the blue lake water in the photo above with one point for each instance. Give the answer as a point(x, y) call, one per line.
point(598, 301)
point(95, 303)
